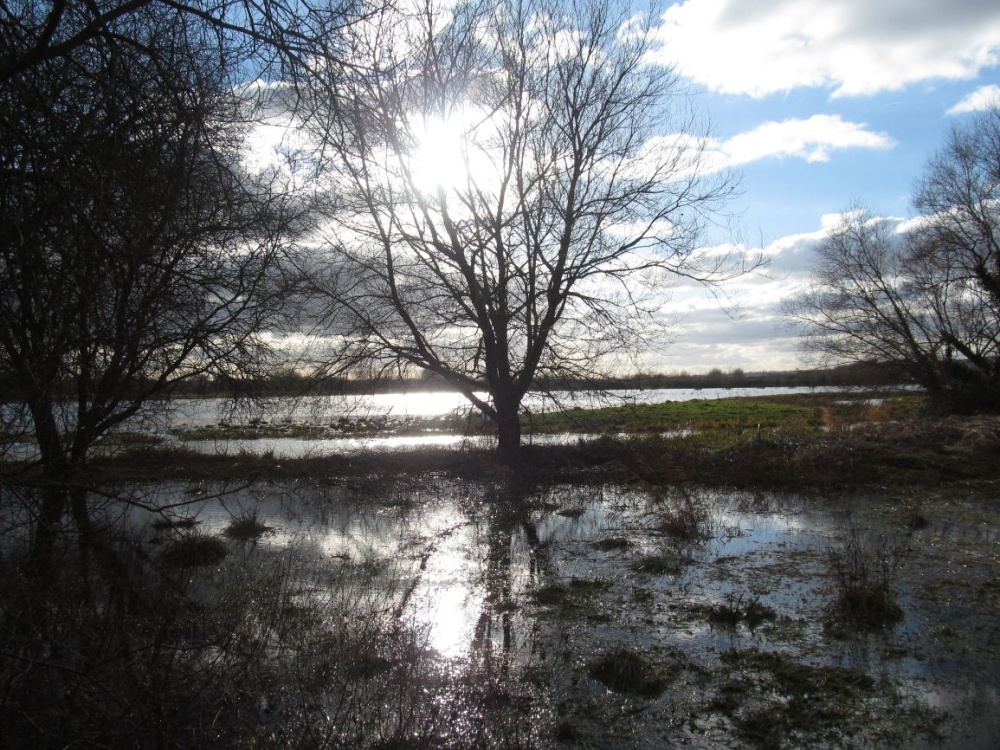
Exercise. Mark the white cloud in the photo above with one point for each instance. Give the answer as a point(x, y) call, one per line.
point(982, 98)
point(812, 139)
point(854, 47)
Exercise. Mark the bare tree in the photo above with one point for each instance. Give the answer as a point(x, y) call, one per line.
point(862, 305)
point(134, 250)
point(276, 38)
point(509, 191)
point(927, 299)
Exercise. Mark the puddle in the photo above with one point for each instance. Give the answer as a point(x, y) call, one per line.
point(735, 622)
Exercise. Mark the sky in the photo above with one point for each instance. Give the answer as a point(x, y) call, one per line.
point(820, 105)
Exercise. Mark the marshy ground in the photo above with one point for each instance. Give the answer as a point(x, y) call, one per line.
point(826, 576)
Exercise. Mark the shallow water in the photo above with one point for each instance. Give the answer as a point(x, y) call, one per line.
point(542, 583)
point(161, 418)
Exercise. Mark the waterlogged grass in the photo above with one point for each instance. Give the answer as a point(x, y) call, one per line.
point(728, 419)
point(778, 702)
point(428, 611)
point(376, 426)
point(720, 419)
point(625, 671)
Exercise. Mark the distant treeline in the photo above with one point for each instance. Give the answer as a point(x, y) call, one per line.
point(294, 384)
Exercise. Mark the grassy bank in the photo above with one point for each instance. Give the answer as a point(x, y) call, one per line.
point(798, 413)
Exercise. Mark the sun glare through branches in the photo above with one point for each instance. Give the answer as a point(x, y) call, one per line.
point(440, 160)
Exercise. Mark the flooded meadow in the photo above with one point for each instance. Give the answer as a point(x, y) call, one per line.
point(300, 591)
point(425, 611)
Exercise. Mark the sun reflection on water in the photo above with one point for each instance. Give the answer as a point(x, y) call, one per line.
point(450, 601)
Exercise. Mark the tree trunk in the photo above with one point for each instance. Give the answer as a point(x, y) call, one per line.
point(53, 493)
point(508, 431)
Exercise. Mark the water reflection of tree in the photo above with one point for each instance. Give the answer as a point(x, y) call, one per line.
point(510, 530)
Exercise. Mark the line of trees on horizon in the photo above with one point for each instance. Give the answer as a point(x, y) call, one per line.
point(295, 384)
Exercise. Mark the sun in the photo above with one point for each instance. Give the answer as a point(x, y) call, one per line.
point(440, 159)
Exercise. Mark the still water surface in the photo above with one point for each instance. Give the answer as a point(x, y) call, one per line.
point(542, 583)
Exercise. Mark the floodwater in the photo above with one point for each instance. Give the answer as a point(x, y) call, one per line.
point(188, 414)
point(174, 420)
point(720, 607)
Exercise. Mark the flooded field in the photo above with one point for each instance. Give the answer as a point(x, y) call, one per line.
point(427, 612)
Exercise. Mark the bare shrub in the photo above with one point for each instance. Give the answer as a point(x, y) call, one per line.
point(686, 519)
point(864, 568)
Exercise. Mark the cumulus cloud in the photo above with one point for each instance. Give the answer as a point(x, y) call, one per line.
point(811, 139)
point(985, 97)
point(854, 47)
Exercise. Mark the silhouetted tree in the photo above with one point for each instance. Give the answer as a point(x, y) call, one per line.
point(134, 250)
point(927, 299)
point(273, 39)
point(510, 185)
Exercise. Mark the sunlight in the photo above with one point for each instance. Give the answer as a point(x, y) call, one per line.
point(440, 161)
point(449, 602)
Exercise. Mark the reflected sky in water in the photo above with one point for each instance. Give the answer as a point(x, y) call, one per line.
point(486, 575)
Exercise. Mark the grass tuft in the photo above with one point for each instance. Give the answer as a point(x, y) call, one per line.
point(687, 520)
point(624, 671)
point(247, 527)
point(864, 568)
point(740, 609)
point(668, 562)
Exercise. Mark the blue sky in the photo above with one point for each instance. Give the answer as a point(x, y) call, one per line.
point(819, 104)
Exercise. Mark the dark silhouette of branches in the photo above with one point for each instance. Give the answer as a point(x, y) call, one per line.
point(927, 299)
point(578, 189)
point(135, 251)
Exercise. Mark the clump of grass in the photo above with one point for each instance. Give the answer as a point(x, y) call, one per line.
point(194, 550)
point(247, 527)
point(738, 609)
point(624, 671)
point(668, 562)
point(578, 597)
point(687, 520)
point(611, 543)
point(168, 524)
point(864, 568)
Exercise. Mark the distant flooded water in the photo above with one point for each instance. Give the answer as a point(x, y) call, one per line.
point(189, 414)
point(200, 412)
point(715, 613)
point(379, 411)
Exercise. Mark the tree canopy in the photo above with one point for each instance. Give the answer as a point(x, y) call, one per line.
point(926, 297)
point(511, 187)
